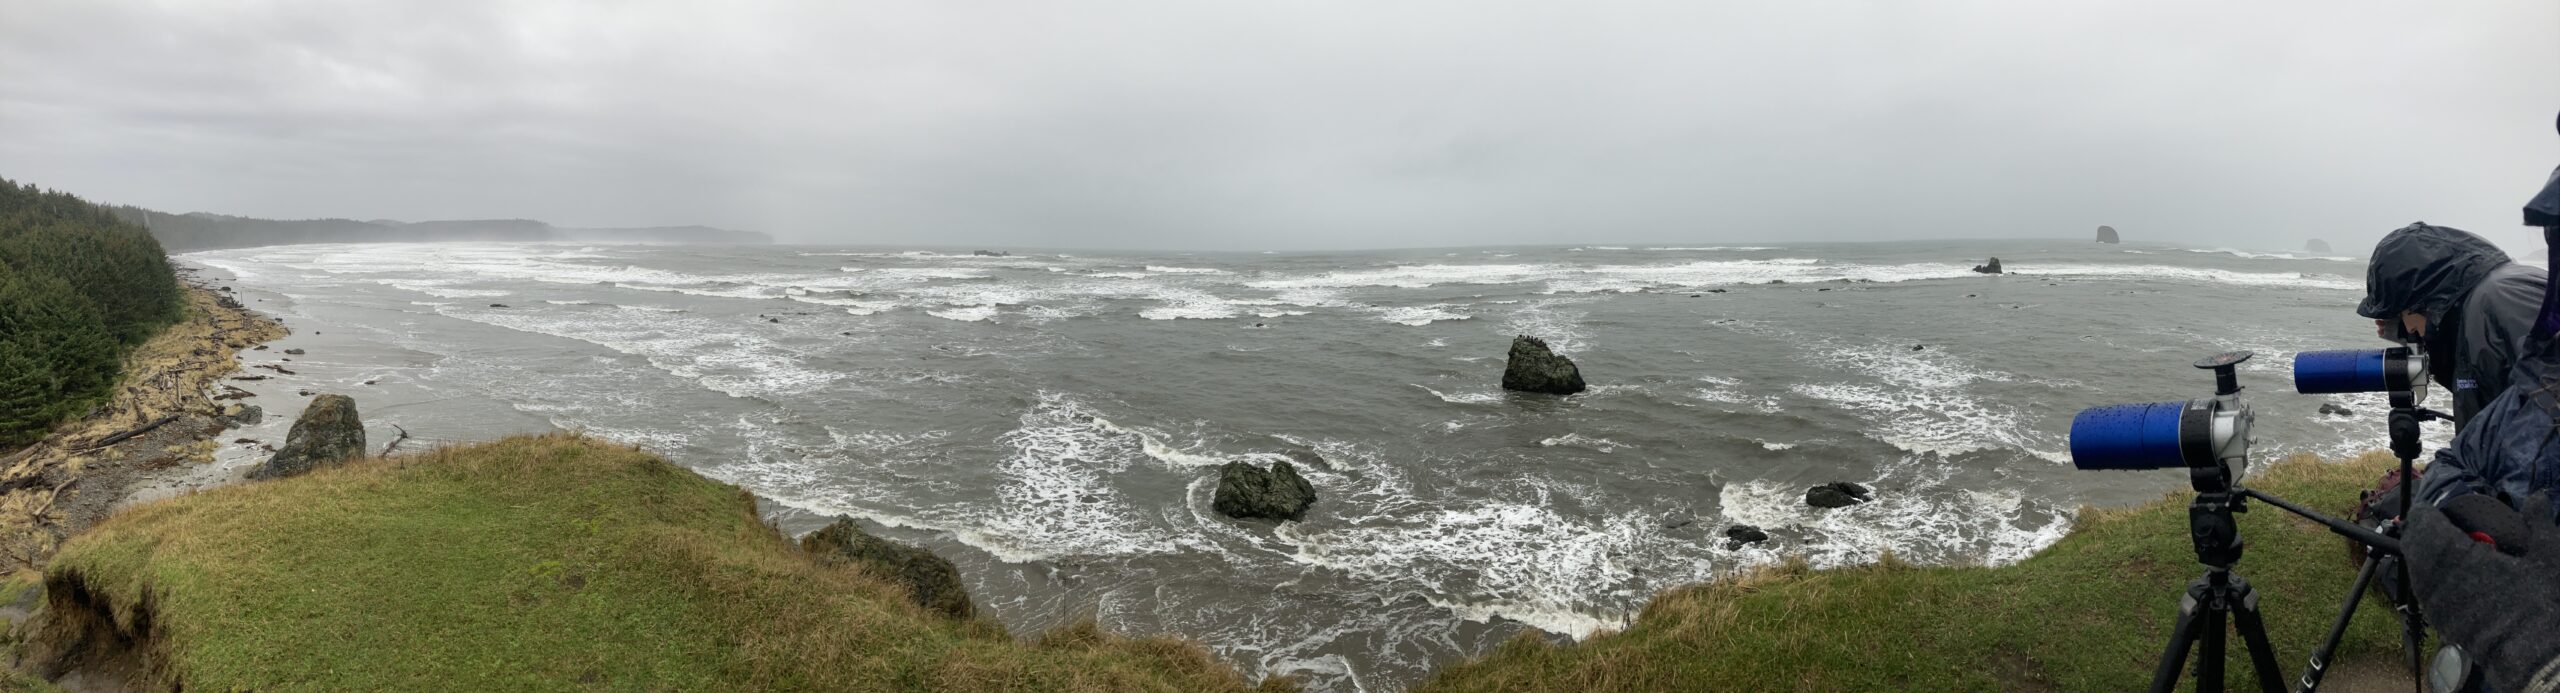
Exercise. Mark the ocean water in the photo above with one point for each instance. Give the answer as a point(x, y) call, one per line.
point(1052, 421)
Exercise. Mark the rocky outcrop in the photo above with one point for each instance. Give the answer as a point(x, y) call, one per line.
point(990, 253)
point(1837, 494)
point(240, 416)
point(2107, 234)
point(1535, 368)
point(1278, 493)
point(1992, 267)
point(931, 581)
point(1738, 536)
point(295, 352)
point(2332, 409)
point(327, 434)
point(2316, 246)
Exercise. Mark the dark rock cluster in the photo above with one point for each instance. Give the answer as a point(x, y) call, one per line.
point(1837, 494)
point(2107, 234)
point(931, 581)
point(1737, 536)
point(1992, 267)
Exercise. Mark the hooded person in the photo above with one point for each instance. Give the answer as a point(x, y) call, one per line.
point(2470, 306)
point(2483, 542)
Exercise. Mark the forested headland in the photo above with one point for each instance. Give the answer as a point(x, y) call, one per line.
point(203, 231)
point(79, 288)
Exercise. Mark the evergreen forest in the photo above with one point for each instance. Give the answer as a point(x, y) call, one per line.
point(79, 288)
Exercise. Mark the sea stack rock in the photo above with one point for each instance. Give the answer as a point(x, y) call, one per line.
point(1535, 368)
point(1837, 494)
point(2107, 234)
point(1992, 267)
point(327, 434)
point(2316, 246)
point(1278, 493)
point(931, 581)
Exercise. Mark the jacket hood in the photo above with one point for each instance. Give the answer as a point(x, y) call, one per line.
point(2544, 209)
point(2425, 268)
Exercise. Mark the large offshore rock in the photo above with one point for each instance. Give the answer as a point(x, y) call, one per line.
point(1535, 368)
point(931, 581)
point(1992, 267)
point(2107, 234)
point(1278, 493)
point(328, 433)
point(2316, 246)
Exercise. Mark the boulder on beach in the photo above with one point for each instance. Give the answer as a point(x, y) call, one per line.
point(1535, 368)
point(327, 434)
point(295, 352)
point(1837, 494)
point(2107, 234)
point(1992, 267)
point(2316, 246)
point(240, 415)
point(1247, 491)
point(1737, 536)
point(931, 581)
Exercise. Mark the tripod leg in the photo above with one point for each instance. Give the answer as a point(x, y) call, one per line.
point(2173, 661)
point(2253, 633)
point(2210, 648)
point(2338, 630)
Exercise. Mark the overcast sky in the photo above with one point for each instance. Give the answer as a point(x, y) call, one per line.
point(1291, 125)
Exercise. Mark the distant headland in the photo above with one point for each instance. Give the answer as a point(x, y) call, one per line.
point(206, 231)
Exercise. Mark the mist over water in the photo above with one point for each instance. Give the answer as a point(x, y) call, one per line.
point(1052, 422)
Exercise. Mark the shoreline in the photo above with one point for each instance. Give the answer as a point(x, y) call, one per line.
point(169, 409)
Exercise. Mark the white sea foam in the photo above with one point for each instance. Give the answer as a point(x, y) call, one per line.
point(715, 355)
point(1577, 440)
point(1521, 561)
point(964, 313)
point(2307, 280)
point(1917, 515)
point(1056, 497)
point(1418, 316)
point(1484, 397)
point(1923, 402)
point(2270, 256)
point(1160, 269)
point(1549, 320)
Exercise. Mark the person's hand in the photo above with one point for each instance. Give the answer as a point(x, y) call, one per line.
point(2500, 601)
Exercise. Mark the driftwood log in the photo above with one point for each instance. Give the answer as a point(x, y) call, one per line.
point(138, 430)
point(395, 442)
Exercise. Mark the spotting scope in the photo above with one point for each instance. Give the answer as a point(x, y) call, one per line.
point(2397, 369)
point(2196, 433)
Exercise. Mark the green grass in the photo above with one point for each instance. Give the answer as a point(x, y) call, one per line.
point(2090, 613)
point(532, 563)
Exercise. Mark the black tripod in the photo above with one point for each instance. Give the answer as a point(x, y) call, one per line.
point(2215, 596)
point(2403, 424)
point(2215, 452)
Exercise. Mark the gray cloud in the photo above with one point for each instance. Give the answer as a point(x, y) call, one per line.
point(1254, 125)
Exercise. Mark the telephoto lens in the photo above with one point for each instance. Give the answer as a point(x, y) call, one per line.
point(2151, 435)
point(2357, 370)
